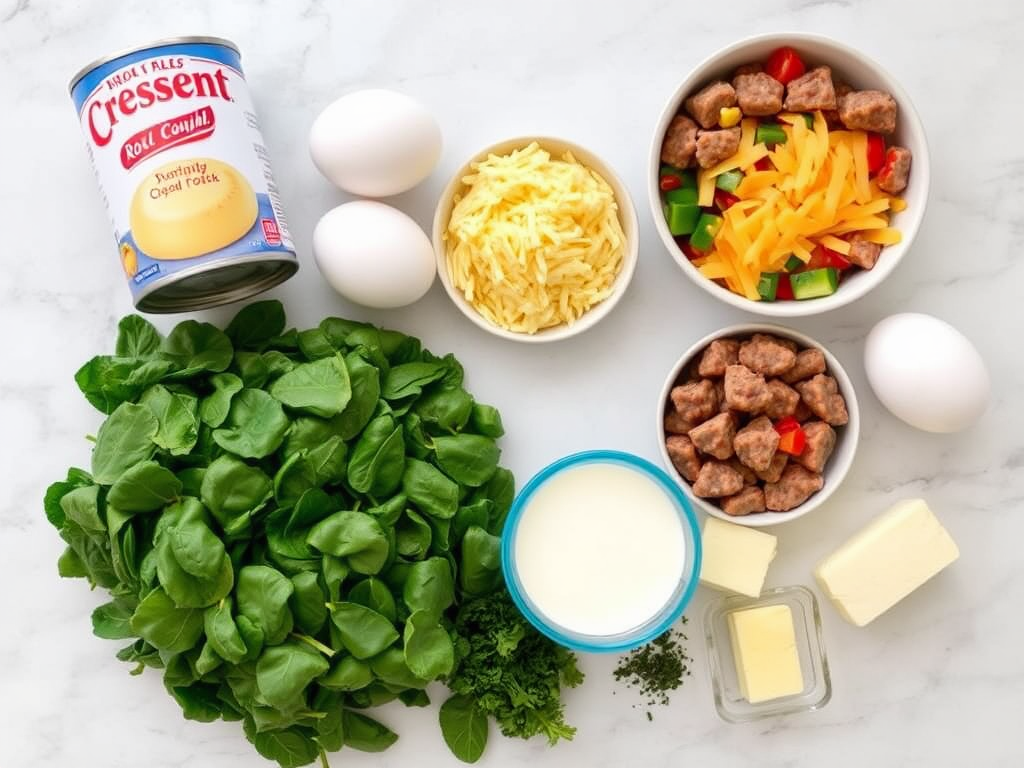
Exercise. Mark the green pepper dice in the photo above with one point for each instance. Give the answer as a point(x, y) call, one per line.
point(769, 133)
point(704, 235)
point(768, 286)
point(815, 283)
point(682, 217)
point(729, 180)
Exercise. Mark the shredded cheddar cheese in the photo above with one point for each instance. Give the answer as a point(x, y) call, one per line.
point(818, 191)
point(534, 242)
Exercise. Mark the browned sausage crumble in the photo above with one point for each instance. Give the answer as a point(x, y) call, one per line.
point(730, 399)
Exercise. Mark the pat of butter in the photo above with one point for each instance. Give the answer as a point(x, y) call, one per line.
point(764, 647)
point(890, 558)
point(190, 207)
point(735, 557)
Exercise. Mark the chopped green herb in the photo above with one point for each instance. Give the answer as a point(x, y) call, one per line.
point(656, 669)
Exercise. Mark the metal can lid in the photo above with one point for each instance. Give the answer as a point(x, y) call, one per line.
point(155, 44)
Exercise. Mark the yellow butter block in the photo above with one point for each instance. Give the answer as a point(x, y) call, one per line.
point(764, 647)
point(735, 557)
point(890, 558)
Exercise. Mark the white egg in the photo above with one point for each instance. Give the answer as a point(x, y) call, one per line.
point(926, 372)
point(375, 143)
point(374, 254)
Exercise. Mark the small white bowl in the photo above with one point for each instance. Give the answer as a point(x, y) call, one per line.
point(853, 67)
point(627, 217)
point(846, 436)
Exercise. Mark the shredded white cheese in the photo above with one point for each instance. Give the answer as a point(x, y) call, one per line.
point(534, 242)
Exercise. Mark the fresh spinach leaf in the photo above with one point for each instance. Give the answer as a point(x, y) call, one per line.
point(464, 727)
point(144, 487)
point(408, 379)
point(262, 596)
point(429, 489)
point(256, 324)
point(363, 632)
point(124, 439)
point(485, 420)
point(320, 388)
point(256, 425)
point(164, 625)
point(366, 734)
point(428, 647)
point(214, 407)
point(429, 586)
point(112, 621)
point(136, 338)
point(468, 459)
point(196, 347)
point(284, 671)
point(378, 458)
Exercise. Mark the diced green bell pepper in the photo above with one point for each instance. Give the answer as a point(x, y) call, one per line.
point(685, 195)
point(814, 283)
point(769, 133)
point(793, 263)
point(688, 178)
point(768, 286)
point(809, 120)
point(704, 235)
point(682, 217)
point(729, 180)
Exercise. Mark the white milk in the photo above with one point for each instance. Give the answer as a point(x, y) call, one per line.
point(599, 548)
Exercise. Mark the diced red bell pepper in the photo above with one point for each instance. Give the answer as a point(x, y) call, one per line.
point(669, 182)
point(793, 442)
point(691, 252)
point(785, 290)
point(764, 164)
point(724, 199)
point(822, 257)
point(876, 152)
point(786, 424)
point(785, 64)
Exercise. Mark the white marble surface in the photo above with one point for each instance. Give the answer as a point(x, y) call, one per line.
point(939, 681)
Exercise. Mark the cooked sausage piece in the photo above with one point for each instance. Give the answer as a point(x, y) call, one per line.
point(717, 479)
point(782, 400)
point(868, 111)
point(723, 407)
point(758, 94)
point(862, 253)
point(695, 402)
point(808, 362)
point(715, 146)
point(821, 440)
point(812, 90)
point(822, 396)
point(832, 115)
point(719, 354)
point(894, 174)
point(714, 436)
point(802, 412)
point(749, 476)
point(705, 104)
point(774, 471)
point(680, 142)
point(750, 499)
point(755, 444)
point(795, 487)
point(767, 355)
point(745, 390)
point(684, 456)
point(676, 424)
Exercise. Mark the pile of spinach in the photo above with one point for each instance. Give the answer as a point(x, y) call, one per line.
point(287, 521)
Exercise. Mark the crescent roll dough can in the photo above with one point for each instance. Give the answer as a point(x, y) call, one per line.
point(186, 178)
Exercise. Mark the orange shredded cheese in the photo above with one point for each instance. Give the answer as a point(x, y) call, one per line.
point(819, 191)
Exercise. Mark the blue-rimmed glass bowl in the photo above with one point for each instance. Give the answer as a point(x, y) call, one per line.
point(643, 632)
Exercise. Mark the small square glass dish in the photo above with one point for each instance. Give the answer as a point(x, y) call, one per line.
point(730, 701)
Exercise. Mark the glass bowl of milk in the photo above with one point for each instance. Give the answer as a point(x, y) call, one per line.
point(601, 551)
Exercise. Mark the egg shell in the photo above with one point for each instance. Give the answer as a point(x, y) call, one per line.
point(926, 372)
point(375, 143)
point(374, 254)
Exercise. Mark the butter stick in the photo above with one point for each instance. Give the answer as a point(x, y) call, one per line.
point(890, 558)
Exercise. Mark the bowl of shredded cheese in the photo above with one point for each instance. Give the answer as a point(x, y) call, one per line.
point(536, 239)
point(800, 220)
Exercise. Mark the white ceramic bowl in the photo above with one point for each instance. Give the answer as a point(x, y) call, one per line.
point(627, 217)
point(846, 436)
point(850, 66)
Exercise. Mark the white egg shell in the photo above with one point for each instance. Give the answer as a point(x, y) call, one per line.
point(375, 143)
point(374, 254)
point(926, 372)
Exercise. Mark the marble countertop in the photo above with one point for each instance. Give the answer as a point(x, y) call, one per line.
point(938, 681)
